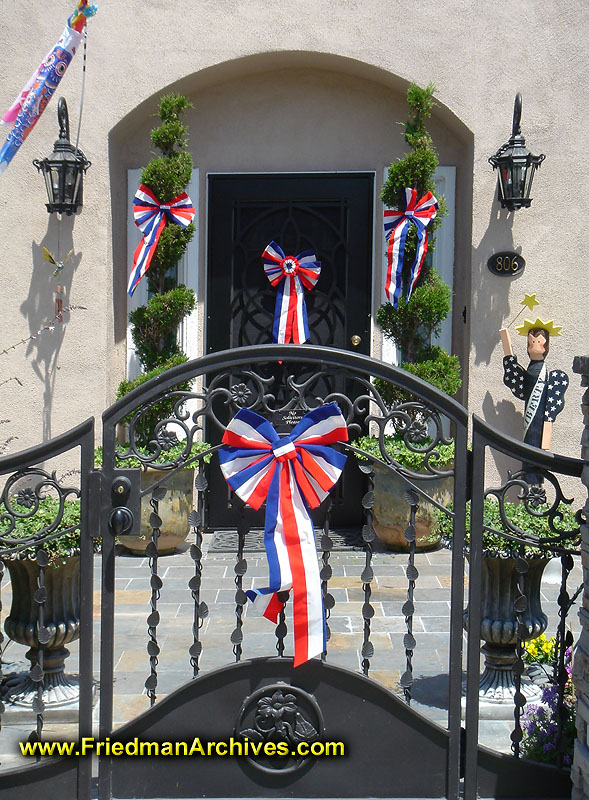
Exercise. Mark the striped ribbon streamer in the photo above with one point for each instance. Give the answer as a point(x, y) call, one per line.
point(151, 217)
point(396, 225)
point(291, 274)
point(292, 474)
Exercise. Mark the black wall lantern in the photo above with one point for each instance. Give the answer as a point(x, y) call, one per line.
point(64, 169)
point(516, 166)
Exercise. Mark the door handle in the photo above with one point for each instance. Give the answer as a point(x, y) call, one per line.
point(121, 521)
point(355, 340)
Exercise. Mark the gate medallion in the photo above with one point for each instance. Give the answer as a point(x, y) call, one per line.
point(279, 714)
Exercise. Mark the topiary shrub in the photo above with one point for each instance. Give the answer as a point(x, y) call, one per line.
point(411, 325)
point(155, 324)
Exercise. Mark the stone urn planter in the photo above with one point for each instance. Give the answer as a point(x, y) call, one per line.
point(61, 625)
point(499, 628)
point(173, 511)
point(391, 512)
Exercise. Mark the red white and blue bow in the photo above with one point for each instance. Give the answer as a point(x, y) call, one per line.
point(396, 227)
point(290, 274)
point(150, 217)
point(292, 473)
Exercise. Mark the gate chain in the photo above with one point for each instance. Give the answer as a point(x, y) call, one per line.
point(408, 609)
point(37, 672)
point(2, 707)
point(564, 640)
point(195, 520)
point(325, 574)
point(156, 584)
point(281, 629)
point(367, 573)
point(520, 605)
point(240, 570)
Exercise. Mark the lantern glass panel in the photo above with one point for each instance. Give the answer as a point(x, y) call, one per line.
point(519, 178)
point(530, 178)
point(506, 181)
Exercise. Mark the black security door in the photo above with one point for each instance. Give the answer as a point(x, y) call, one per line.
point(329, 213)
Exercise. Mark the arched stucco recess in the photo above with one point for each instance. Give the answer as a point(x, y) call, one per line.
point(446, 123)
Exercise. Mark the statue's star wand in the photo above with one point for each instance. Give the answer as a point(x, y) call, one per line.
point(530, 302)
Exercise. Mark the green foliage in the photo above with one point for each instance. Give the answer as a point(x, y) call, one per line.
point(154, 325)
point(412, 324)
point(437, 368)
point(168, 176)
point(170, 249)
point(165, 456)
point(145, 426)
point(62, 546)
point(398, 450)
point(410, 327)
point(416, 169)
point(497, 545)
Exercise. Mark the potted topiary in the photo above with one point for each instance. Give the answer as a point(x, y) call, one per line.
point(155, 327)
point(504, 562)
point(411, 326)
point(390, 510)
point(57, 557)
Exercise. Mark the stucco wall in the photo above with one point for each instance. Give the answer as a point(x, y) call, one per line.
point(348, 63)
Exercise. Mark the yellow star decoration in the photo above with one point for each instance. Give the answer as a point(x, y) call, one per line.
point(530, 301)
point(553, 330)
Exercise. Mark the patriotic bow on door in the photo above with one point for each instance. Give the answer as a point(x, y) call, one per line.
point(290, 274)
point(292, 473)
point(150, 217)
point(396, 227)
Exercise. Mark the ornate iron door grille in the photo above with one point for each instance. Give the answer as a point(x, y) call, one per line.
point(331, 214)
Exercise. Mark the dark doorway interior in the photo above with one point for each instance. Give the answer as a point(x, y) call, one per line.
point(329, 213)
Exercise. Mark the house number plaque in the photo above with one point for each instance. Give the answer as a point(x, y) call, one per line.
point(506, 263)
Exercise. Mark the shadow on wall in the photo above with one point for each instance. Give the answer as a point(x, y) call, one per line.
point(39, 308)
point(504, 417)
point(490, 301)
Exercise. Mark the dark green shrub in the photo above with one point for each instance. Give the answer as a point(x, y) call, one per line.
point(398, 450)
point(66, 542)
point(516, 513)
point(145, 424)
point(411, 325)
point(155, 325)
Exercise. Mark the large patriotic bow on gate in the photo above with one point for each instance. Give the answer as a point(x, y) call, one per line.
point(150, 217)
point(292, 473)
point(396, 227)
point(290, 274)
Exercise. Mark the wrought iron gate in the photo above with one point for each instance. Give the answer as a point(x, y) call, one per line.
point(392, 750)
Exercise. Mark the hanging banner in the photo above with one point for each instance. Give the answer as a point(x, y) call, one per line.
point(26, 110)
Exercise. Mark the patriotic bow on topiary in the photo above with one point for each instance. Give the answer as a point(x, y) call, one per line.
point(150, 217)
point(290, 274)
point(292, 474)
point(396, 225)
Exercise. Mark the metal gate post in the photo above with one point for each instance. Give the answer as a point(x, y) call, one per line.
point(580, 768)
point(474, 615)
point(461, 479)
point(86, 667)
